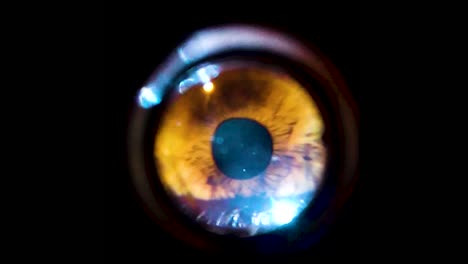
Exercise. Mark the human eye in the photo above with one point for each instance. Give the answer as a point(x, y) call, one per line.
point(242, 151)
point(234, 131)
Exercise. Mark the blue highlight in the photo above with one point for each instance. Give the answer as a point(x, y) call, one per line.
point(147, 98)
point(151, 96)
point(201, 76)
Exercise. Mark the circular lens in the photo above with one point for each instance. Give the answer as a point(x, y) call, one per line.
point(239, 147)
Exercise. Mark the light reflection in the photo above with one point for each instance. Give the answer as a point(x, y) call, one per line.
point(186, 84)
point(252, 215)
point(283, 212)
point(202, 76)
point(147, 98)
point(208, 87)
point(218, 40)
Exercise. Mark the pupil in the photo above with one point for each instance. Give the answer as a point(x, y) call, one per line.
point(241, 148)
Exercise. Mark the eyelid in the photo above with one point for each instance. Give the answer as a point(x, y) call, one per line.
point(221, 39)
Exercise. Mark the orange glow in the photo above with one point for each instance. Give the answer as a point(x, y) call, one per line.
point(208, 87)
point(183, 143)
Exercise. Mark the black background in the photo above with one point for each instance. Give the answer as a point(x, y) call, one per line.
point(101, 57)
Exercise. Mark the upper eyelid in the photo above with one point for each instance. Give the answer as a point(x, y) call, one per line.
point(218, 40)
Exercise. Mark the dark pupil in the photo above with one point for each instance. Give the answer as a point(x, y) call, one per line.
point(241, 148)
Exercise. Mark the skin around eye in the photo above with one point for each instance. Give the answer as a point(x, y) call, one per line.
point(248, 100)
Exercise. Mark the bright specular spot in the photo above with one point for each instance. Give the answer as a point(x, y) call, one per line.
point(147, 98)
point(208, 87)
point(202, 76)
point(283, 212)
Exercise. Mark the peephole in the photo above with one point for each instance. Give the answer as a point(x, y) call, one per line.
point(244, 139)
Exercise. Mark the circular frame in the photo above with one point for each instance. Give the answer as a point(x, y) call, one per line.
point(217, 42)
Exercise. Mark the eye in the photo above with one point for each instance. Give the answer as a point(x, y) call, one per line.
point(239, 147)
point(241, 133)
